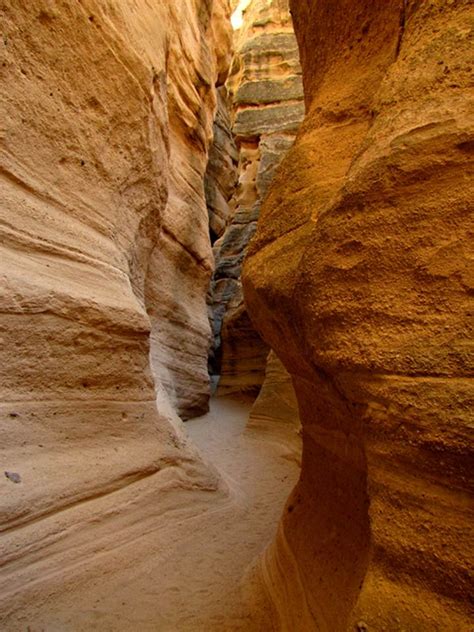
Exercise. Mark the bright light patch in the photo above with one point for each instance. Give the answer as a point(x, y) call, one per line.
point(237, 18)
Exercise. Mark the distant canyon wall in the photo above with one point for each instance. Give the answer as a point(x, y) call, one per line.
point(360, 278)
point(266, 106)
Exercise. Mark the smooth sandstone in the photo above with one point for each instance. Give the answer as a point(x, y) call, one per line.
point(105, 265)
point(360, 278)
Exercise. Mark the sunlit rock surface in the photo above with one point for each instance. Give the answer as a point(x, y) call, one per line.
point(360, 277)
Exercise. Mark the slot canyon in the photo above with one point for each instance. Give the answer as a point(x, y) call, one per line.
point(236, 324)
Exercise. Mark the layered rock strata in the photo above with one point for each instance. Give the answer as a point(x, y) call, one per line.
point(107, 115)
point(220, 183)
point(267, 102)
point(360, 277)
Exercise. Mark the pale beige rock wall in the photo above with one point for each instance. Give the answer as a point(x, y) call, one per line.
point(275, 410)
point(106, 117)
point(360, 277)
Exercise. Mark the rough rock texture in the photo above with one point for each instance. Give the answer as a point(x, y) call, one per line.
point(267, 98)
point(107, 114)
point(360, 277)
point(220, 183)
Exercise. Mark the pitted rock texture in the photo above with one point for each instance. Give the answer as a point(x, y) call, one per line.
point(360, 277)
point(107, 116)
point(267, 98)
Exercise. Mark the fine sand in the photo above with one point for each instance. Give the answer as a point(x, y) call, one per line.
point(186, 575)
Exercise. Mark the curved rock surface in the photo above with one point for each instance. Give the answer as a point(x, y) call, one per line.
point(275, 411)
point(360, 277)
point(107, 115)
point(221, 174)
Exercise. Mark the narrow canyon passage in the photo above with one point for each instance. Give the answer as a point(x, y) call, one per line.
point(236, 279)
point(186, 574)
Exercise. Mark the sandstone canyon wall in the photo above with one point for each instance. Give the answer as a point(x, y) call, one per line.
point(105, 264)
point(266, 100)
point(220, 184)
point(274, 413)
point(360, 277)
point(221, 174)
point(118, 167)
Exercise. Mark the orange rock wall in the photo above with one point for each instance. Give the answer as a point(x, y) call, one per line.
point(360, 277)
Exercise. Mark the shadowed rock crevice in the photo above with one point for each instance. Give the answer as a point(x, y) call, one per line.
point(266, 107)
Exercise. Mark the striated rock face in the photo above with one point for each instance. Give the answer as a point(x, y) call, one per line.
point(221, 174)
point(107, 116)
point(181, 262)
point(267, 100)
point(360, 278)
point(220, 183)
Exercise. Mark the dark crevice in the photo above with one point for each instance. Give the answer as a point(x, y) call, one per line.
point(401, 30)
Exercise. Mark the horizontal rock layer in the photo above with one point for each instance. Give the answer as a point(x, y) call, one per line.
point(267, 99)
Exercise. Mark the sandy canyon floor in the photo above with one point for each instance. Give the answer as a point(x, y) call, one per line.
point(186, 574)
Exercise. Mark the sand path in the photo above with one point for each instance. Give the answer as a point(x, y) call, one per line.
point(186, 575)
